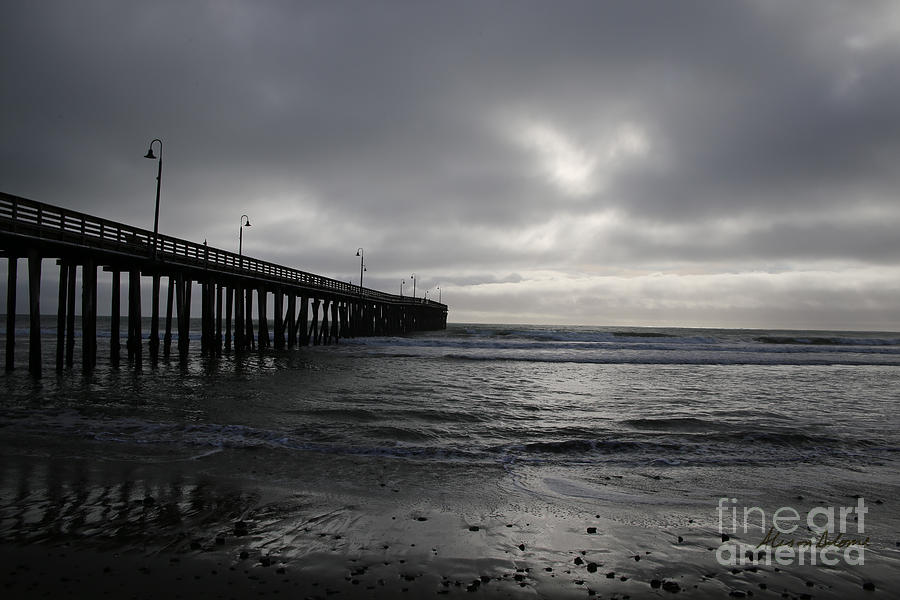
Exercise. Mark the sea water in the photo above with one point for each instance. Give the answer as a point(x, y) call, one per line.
point(648, 426)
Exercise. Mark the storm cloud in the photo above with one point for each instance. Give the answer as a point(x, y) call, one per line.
point(696, 163)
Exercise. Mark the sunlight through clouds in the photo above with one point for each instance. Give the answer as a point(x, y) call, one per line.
point(576, 169)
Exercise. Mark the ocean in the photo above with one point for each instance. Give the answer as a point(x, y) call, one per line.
point(519, 427)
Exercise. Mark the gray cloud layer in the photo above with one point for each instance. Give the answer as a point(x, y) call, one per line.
point(492, 146)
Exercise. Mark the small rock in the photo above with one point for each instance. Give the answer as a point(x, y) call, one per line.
point(655, 583)
point(421, 518)
point(149, 501)
point(592, 567)
point(869, 586)
point(522, 547)
point(611, 575)
point(578, 560)
point(473, 528)
point(592, 530)
point(680, 539)
point(725, 537)
point(244, 555)
point(671, 586)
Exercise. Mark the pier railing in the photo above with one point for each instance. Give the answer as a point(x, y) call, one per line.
point(21, 216)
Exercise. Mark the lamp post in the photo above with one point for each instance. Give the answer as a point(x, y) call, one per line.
point(402, 282)
point(439, 294)
point(413, 277)
point(245, 222)
point(362, 267)
point(158, 183)
point(426, 295)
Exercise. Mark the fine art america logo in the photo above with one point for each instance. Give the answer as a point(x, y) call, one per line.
point(825, 535)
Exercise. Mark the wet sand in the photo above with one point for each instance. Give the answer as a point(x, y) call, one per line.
point(345, 527)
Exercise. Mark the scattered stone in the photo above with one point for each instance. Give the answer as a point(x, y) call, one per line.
point(240, 528)
point(869, 586)
point(680, 539)
point(421, 518)
point(244, 555)
point(671, 586)
point(637, 557)
point(579, 582)
point(655, 583)
point(737, 594)
point(592, 567)
point(522, 547)
point(265, 561)
point(592, 530)
point(220, 540)
point(149, 501)
point(578, 560)
point(611, 575)
point(725, 537)
point(473, 528)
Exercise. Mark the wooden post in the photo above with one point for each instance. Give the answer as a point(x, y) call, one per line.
point(34, 313)
point(229, 305)
point(238, 318)
point(248, 332)
point(314, 325)
point(263, 337)
point(279, 319)
point(324, 331)
point(154, 320)
point(134, 317)
point(335, 330)
point(184, 334)
point(219, 290)
point(11, 276)
point(170, 298)
point(204, 317)
point(89, 315)
point(61, 315)
point(114, 319)
point(303, 321)
point(70, 315)
point(292, 320)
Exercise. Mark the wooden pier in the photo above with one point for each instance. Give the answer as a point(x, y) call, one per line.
point(308, 309)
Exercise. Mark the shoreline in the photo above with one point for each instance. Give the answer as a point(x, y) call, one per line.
point(369, 528)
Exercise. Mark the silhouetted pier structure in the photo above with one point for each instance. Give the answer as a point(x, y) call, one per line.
point(308, 308)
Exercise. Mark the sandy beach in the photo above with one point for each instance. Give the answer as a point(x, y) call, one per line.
point(370, 529)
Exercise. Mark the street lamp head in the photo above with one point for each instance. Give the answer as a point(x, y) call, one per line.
point(150, 153)
point(243, 219)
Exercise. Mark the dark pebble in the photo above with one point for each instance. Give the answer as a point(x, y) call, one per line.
point(680, 539)
point(637, 557)
point(592, 530)
point(473, 528)
point(869, 586)
point(244, 555)
point(421, 518)
point(611, 575)
point(149, 501)
point(578, 560)
point(655, 583)
point(671, 586)
point(592, 567)
point(725, 537)
point(220, 540)
point(737, 594)
point(522, 547)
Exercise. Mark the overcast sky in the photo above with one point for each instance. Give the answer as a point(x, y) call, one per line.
point(643, 163)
